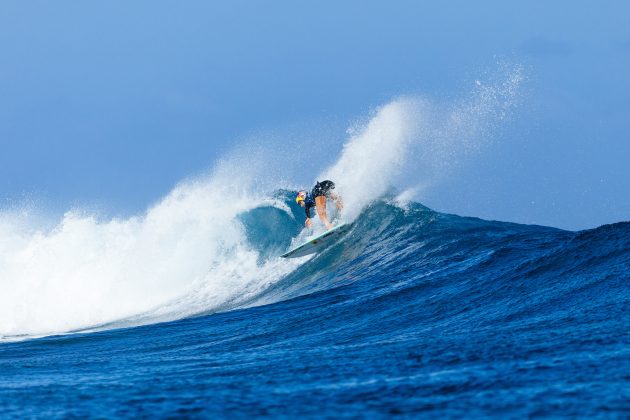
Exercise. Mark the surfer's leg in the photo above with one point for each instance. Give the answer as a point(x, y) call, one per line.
point(320, 205)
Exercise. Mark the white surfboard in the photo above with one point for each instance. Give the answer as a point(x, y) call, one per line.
point(318, 243)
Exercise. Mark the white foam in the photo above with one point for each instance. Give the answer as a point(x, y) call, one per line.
point(372, 158)
point(189, 248)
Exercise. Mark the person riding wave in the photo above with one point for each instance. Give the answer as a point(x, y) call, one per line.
point(317, 198)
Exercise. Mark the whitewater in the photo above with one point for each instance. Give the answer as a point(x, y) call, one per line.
point(187, 309)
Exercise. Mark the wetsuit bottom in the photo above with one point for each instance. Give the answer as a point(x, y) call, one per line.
point(323, 189)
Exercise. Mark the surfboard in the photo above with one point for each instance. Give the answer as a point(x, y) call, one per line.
point(318, 243)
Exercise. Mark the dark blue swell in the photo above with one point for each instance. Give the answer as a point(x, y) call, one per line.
point(414, 313)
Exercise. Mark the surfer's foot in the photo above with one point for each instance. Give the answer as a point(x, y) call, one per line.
point(329, 226)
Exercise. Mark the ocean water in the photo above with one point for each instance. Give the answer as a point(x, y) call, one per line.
point(413, 312)
point(186, 310)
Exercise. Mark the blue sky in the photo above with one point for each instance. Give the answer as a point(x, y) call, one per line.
point(115, 102)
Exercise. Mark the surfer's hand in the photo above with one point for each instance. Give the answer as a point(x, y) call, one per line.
point(308, 223)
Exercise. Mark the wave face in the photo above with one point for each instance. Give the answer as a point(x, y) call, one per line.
point(412, 312)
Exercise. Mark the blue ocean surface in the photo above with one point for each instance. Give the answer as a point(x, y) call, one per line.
point(413, 313)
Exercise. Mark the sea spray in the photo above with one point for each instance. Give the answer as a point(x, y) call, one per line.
point(415, 143)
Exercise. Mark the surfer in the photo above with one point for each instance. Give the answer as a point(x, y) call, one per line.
point(317, 198)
